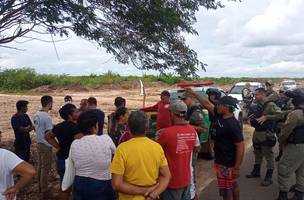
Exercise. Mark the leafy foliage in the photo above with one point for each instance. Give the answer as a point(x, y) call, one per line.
point(147, 33)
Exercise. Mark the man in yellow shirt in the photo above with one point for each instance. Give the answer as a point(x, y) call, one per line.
point(139, 168)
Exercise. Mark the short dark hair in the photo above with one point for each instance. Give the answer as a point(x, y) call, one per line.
point(92, 101)
point(45, 100)
point(86, 121)
point(66, 110)
point(261, 90)
point(21, 104)
point(68, 98)
point(119, 101)
point(138, 123)
point(120, 112)
point(165, 93)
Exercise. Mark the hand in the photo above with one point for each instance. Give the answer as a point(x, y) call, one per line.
point(152, 196)
point(261, 120)
point(10, 193)
point(28, 129)
point(57, 150)
point(150, 190)
point(236, 173)
point(190, 91)
point(32, 128)
point(250, 116)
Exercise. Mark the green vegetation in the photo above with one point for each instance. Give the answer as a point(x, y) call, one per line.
point(19, 80)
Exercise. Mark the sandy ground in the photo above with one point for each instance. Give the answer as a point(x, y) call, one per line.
point(105, 102)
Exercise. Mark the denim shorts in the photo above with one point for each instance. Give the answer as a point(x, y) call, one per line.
point(86, 188)
point(60, 167)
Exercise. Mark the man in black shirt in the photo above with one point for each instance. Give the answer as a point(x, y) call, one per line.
point(229, 146)
point(65, 133)
point(22, 126)
point(92, 105)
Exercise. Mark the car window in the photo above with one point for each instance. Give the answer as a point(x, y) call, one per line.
point(237, 89)
point(289, 83)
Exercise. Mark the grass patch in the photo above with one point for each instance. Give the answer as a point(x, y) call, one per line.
point(24, 79)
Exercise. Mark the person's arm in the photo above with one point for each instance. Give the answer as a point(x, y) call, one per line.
point(163, 182)
point(273, 113)
point(289, 125)
point(78, 136)
point(153, 108)
point(120, 185)
point(16, 125)
point(26, 173)
point(198, 118)
point(25, 129)
point(240, 150)
point(205, 102)
point(50, 138)
point(238, 138)
point(197, 145)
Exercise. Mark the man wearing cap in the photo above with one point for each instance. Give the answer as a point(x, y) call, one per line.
point(247, 97)
point(292, 140)
point(271, 94)
point(195, 117)
point(163, 114)
point(247, 94)
point(178, 142)
point(263, 116)
point(229, 146)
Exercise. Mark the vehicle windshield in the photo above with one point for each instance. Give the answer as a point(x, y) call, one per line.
point(237, 89)
point(289, 83)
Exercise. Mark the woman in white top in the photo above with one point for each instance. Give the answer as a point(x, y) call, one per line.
point(92, 155)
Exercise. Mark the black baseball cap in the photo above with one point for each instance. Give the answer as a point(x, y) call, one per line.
point(227, 100)
point(165, 93)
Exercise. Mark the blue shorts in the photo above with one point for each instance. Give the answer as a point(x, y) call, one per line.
point(60, 167)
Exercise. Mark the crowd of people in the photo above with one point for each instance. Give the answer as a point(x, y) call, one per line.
point(124, 163)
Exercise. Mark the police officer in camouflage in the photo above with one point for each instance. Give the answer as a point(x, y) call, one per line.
point(271, 94)
point(195, 117)
point(285, 103)
point(292, 140)
point(262, 116)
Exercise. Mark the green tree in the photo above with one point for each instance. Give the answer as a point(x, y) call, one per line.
point(146, 33)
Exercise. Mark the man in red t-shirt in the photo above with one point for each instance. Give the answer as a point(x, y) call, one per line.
point(163, 114)
point(178, 142)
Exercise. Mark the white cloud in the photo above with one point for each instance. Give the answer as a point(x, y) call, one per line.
point(251, 38)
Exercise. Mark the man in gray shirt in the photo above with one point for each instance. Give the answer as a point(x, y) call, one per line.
point(43, 123)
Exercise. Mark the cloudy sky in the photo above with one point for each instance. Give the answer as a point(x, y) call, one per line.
point(254, 38)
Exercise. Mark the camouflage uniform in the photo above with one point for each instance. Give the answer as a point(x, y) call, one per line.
point(272, 96)
point(195, 117)
point(260, 139)
point(292, 160)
